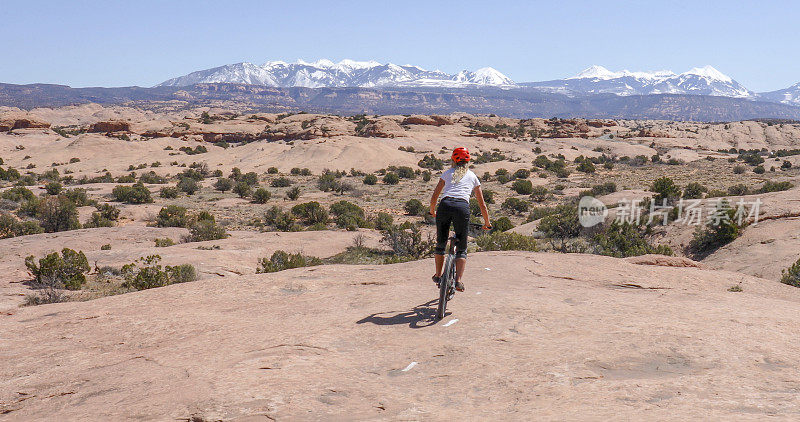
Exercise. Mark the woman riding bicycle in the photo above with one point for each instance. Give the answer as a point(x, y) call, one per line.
point(455, 185)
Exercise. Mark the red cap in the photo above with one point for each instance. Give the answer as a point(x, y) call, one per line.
point(461, 155)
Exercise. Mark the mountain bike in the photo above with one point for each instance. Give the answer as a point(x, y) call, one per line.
point(447, 283)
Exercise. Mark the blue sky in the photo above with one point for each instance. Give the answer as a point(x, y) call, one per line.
point(122, 43)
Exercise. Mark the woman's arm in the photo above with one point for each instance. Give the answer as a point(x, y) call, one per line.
point(435, 197)
point(479, 196)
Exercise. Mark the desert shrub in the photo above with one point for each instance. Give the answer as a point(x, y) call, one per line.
point(383, 221)
point(488, 196)
point(474, 207)
point(311, 213)
point(426, 176)
point(624, 240)
point(152, 178)
point(172, 216)
point(281, 260)
point(694, 190)
point(251, 178)
point(293, 193)
point(223, 184)
point(129, 178)
point(106, 247)
point(414, 207)
point(405, 172)
point(205, 229)
point(11, 227)
point(280, 220)
point(738, 169)
point(57, 213)
point(739, 189)
point(272, 170)
point(502, 224)
point(522, 174)
point(504, 178)
point(539, 193)
point(791, 275)
point(406, 241)
point(295, 171)
point(281, 182)
point(665, 189)
point(53, 188)
point(515, 205)
point(68, 269)
point(136, 194)
point(586, 166)
point(242, 189)
point(391, 178)
point(770, 186)
point(79, 197)
point(188, 185)
point(261, 196)
point(164, 242)
point(147, 273)
point(721, 229)
point(506, 241)
point(97, 220)
point(348, 215)
point(327, 182)
point(786, 165)
point(18, 194)
point(561, 224)
point(759, 169)
point(522, 187)
point(169, 192)
point(370, 179)
point(601, 189)
point(430, 161)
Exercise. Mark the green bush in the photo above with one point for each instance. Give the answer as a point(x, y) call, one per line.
point(770, 186)
point(68, 269)
point(502, 224)
point(311, 213)
point(414, 207)
point(169, 192)
point(223, 184)
point(53, 188)
point(522, 174)
point(251, 178)
point(561, 224)
point(272, 170)
point(164, 242)
point(791, 275)
point(406, 241)
point(136, 194)
point(391, 178)
point(261, 196)
point(281, 182)
point(624, 240)
point(281, 260)
point(11, 227)
point(203, 230)
point(280, 220)
point(242, 189)
point(293, 193)
point(327, 182)
point(506, 241)
point(383, 221)
point(515, 205)
point(430, 161)
point(172, 216)
point(694, 190)
point(348, 215)
point(147, 273)
point(18, 194)
point(188, 185)
point(370, 179)
point(152, 178)
point(712, 236)
point(586, 166)
point(405, 172)
point(522, 187)
point(97, 220)
point(539, 193)
point(57, 213)
point(665, 188)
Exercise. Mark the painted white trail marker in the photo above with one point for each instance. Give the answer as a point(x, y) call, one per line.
point(410, 365)
point(488, 269)
point(451, 322)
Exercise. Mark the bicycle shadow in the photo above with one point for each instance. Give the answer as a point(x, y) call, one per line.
point(420, 316)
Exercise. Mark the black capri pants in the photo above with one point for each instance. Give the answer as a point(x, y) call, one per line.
point(455, 211)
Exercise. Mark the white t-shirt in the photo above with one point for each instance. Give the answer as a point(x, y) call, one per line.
point(463, 188)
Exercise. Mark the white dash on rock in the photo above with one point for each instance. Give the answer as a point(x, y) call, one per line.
point(410, 366)
point(451, 322)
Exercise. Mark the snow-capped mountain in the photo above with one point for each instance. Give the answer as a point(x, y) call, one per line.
point(597, 79)
point(790, 96)
point(346, 73)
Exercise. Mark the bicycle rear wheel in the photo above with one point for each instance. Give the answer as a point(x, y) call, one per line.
point(446, 285)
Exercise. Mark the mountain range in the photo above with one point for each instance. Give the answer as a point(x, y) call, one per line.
point(370, 74)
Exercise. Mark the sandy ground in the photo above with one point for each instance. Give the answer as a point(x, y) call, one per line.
point(535, 336)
